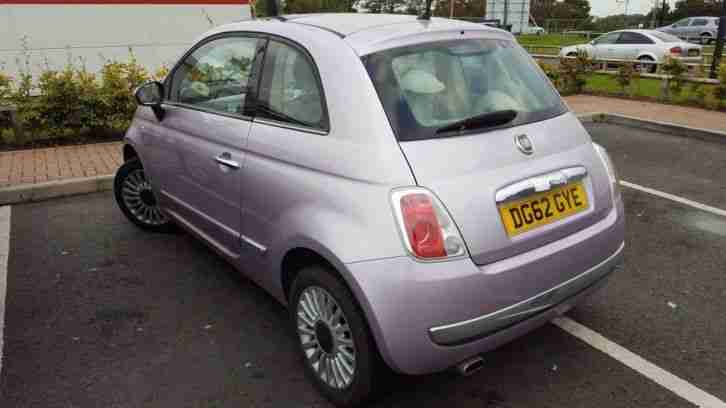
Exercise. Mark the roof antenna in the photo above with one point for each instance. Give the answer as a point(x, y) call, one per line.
point(273, 8)
point(426, 15)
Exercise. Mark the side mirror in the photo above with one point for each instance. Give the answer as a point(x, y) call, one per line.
point(151, 94)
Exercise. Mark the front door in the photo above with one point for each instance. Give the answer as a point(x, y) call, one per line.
point(604, 47)
point(207, 127)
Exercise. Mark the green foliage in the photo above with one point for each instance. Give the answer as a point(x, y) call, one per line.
point(574, 72)
point(552, 73)
point(721, 90)
point(675, 72)
point(627, 77)
point(462, 8)
point(74, 101)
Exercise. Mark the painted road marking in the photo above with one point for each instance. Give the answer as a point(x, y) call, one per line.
point(691, 203)
point(4, 252)
point(675, 384)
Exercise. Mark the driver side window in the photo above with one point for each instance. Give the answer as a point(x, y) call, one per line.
point(215, 76)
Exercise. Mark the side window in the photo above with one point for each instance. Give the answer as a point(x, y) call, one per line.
point(699, 22)
point(214, 77)
point(289, 88)
point(611, 38)
point(681, 23)
point(633, 38)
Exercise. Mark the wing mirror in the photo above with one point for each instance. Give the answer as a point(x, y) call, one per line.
point(151, 94)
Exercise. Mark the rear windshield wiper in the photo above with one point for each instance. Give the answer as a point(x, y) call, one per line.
point(489, 119)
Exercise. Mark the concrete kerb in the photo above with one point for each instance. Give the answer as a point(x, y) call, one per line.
point(27, 193)
point(63, 188)
point(707, 135)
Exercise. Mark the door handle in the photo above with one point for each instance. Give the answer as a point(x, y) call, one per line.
point(225, 159)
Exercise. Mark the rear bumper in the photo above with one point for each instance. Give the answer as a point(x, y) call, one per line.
point(482, 326)
point(428, 317)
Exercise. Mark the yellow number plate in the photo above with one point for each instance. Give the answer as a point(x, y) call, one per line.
point(543, 208)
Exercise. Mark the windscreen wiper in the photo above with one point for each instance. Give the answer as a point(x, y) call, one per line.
point(485, 120)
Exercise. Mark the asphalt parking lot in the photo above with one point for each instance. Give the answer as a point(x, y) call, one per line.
point(100, 314)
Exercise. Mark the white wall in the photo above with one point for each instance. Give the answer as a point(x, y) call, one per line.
point(157, 34)
point(517, 13)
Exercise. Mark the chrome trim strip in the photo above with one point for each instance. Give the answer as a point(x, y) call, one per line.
point(538, 184)
point(251, 242)
point(468, 330)
point(284, 125)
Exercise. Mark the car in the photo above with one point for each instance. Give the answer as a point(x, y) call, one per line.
point(702, 29)
point(647, 46)
point(414, 190)
point(534, 30)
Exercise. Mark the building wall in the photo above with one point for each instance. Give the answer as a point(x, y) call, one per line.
point(91, 32)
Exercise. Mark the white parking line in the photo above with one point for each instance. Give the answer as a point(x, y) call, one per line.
point(4, 252)
point(675, 198)
point(675, 384)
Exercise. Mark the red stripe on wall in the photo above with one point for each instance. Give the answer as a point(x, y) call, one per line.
point(111, 2)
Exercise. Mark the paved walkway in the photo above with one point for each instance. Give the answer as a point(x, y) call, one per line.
point(42, 165)
point(694, 117)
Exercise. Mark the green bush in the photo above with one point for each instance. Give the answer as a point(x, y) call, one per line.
point(552, 73)
point(675, 72)
point(73, 101)
point(627, 77)
point(574, 72)
point(721, 90)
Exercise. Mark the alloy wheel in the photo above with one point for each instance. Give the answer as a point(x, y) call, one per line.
point(140, 199)
point(326, 338)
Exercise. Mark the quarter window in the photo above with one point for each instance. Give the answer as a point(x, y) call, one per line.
point(699, 22)
point(611, 38)
point(215, 76)
point(289, 90)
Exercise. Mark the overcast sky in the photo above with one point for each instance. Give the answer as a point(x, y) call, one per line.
point(602, 8)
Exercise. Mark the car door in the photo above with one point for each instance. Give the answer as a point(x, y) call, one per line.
point(604, 47)
point(680, 28)
point(696, 28)
point(630, 45)
point(207, 128)
point(285, 148)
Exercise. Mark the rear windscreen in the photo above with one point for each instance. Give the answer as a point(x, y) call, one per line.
point(428, 86)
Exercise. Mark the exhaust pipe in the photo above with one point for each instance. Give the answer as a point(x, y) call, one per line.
point(470, 366)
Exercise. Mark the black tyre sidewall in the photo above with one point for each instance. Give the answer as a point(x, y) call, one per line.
point(123, 172)
point(369, 365)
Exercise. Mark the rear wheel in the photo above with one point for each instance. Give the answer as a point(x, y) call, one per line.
point(646, 68)
point(706, 38)
point(137, 200)
point(338, 350)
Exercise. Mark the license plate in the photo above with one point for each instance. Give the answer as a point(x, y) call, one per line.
point(692, 53)
point(543, 208)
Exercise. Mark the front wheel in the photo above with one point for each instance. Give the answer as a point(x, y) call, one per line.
point(137, 200)
point(706, 39)
point(646, 68)
point(338, 350)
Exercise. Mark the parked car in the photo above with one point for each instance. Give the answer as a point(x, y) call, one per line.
point(701, 29)
point(416, 193)
point(648, 46)
point(534, 29)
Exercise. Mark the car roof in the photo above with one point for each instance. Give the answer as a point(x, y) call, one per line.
point(367, 33)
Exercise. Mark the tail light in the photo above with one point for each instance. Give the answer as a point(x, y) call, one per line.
point(676, 50)
point(610, 168)
point(427, 230)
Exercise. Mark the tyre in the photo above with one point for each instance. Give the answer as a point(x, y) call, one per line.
point(136, 198)
point(336, 345)
point(706, 39)
point(646, 68)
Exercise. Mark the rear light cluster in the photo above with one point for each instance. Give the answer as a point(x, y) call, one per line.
point(610, 168)
point(676, 50)
point(427, 230)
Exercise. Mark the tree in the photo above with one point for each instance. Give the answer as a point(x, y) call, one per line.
point(385, 6)
point(695, 8)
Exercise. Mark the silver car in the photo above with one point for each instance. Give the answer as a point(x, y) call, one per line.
point(415, 191)
point(701, 29)
point(647, 46)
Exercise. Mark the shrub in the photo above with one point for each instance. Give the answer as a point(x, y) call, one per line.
point(574, 72)
point(5, 89)
point(627, 76)
point(721, 89)
point(552, 73)
point(119, 80)
point(675, 72)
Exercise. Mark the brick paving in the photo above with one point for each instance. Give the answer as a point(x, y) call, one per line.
point(58, 163)
point(42, 165)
